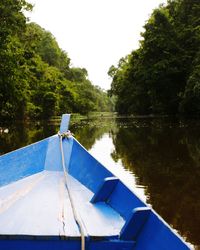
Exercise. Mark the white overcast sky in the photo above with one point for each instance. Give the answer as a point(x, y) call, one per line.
point(94, 33)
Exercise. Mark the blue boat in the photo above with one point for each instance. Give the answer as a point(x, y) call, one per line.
point(54, 195)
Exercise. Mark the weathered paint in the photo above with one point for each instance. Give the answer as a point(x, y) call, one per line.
point(38, 206)
point(91, 173)
point(100, 220)
point(36, 213)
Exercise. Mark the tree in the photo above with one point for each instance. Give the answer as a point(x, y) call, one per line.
point(154, 78)
point(36, 80)
point(190, 103)
point(12, 84)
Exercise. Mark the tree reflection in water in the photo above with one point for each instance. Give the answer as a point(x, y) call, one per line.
point(20, 134)
point(163, 154)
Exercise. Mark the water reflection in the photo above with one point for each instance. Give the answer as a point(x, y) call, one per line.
point(88, 131)
point(159, 158)
point(165, 157)
point(16, 135)
point(106, 156)
point(164, 161)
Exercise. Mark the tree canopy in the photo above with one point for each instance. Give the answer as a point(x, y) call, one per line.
point(36, 77)
point(162, 75)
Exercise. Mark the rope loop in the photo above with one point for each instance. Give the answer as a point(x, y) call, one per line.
point(66, 134)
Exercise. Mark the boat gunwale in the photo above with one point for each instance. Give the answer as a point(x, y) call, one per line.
point(26, 146)
point(173, 230)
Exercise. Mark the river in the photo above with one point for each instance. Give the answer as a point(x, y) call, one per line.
point(159, 158)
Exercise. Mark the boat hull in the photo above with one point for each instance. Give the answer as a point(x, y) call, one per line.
point(36, 210)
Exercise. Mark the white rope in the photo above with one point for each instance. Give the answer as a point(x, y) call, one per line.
point(78, 222)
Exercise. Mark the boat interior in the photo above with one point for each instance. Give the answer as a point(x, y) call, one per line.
point(38, 198)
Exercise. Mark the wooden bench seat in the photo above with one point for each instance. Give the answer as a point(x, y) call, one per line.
point(39, 206)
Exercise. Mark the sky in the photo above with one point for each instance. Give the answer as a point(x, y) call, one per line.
point(94, 33)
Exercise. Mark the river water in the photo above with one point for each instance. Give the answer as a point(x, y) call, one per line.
point(159, 158)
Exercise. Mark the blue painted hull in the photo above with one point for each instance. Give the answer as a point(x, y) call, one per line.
point(35, 212)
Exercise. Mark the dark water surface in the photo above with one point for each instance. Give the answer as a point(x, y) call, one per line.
point(158, 158)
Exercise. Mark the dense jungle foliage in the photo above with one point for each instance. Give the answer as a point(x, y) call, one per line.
point(163, 75)
point(36, 79)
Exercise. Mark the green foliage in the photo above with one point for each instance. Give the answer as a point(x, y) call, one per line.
point(12, 92)
point(36, 80)
point(161, 77)
point(191, 98)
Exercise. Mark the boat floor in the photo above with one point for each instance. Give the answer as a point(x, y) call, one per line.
point(39, 206)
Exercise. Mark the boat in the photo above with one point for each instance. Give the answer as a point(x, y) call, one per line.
point(55, 195)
